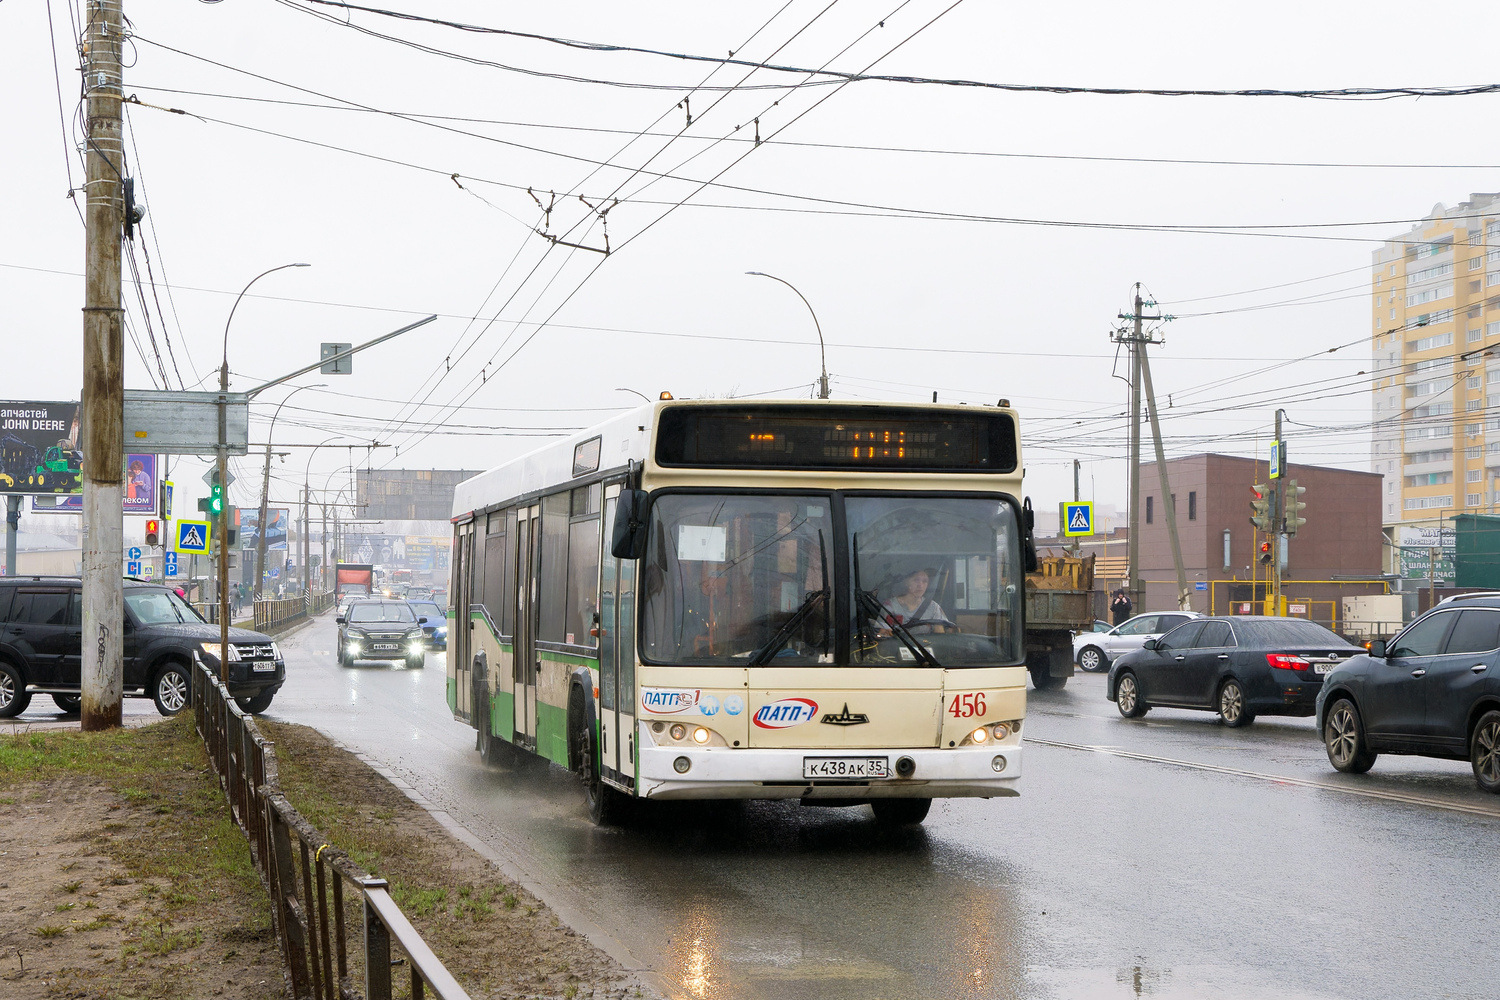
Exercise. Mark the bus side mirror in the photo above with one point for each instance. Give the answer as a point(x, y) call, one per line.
point(629, 540)
point(1028, 523)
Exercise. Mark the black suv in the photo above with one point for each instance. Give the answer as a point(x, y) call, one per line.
point(41, 648)
point(1433, 690)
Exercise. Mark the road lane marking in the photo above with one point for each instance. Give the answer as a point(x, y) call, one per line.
point(1369, 793)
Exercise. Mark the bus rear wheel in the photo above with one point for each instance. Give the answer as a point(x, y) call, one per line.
point(900, 812)
point(606, 805)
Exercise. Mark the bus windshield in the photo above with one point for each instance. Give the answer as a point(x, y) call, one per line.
point(751, 580)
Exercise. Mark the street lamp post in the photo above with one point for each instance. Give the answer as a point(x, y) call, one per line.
point(822, 349)
point(307, 515)
point(223, 466)
point(265, 489)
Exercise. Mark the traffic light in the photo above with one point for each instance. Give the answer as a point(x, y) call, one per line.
point(231, 527)
point(153, 532)
point(1294, 507)
point(215, 502)
point(1265, 552)
point(1260, 506)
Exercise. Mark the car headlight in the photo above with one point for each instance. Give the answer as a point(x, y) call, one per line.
point(212, 649)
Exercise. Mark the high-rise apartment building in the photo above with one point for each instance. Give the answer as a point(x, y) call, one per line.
point(1435, 307)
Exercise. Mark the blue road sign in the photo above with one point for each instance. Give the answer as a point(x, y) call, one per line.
point(134, 552)
point(193, 537)
point(171, 558)
point(1078, 519)
point(1200, 585)
point(133, 568)
point(171, 569)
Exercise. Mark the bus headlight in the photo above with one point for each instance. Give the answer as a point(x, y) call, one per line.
point(682, 765)
point(980, 735)
point(998, 763)
point(679, 731)
point(700, 735)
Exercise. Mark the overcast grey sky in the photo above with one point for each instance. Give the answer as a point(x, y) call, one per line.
point(306, 139)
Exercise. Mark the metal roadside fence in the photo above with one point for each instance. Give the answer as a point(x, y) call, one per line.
point(306, 876)
point(277, 613)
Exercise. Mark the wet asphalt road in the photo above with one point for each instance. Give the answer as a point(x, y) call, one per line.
point(1169, 857)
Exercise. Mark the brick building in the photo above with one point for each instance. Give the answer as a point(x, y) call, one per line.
point(1340, 543)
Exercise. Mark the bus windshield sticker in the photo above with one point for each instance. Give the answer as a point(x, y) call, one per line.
point(664, 702)
point(708, 705)
point(701, 544)
point(734, 705)
point(786, 713)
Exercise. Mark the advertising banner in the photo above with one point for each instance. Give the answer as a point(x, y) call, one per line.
point(139, 495)
point(1417, 546)
point(277, 519)
point(39, 448)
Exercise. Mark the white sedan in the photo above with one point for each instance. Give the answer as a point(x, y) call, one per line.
point(1095, 651)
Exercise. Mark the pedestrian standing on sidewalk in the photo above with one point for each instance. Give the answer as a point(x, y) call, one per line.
point(1119, 608)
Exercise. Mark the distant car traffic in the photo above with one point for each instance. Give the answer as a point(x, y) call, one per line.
point(1095, 651)
point(381, 630)
point(1433, 690)
point(1239, 667)
point(436, 625)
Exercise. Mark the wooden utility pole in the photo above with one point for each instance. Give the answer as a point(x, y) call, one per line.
point(103, 419)
point(1137, 341)
point(1168, 503)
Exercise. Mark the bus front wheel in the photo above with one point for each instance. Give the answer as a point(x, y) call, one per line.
point(606, 805)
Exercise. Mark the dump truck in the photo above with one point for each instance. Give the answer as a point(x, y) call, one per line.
point(1059, 602)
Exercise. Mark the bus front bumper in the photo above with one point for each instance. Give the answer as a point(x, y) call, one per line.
point(723, 773)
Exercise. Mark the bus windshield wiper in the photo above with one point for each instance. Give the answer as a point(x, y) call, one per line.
point(809, 602)
point(868, 604)
point(770, 649)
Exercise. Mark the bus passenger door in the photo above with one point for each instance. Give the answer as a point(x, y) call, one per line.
point(616, 656)
point(528, 588)
point(460, 654)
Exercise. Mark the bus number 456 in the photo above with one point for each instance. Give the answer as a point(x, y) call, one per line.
point(966, 706)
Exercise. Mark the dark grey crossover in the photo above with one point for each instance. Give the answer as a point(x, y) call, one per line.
point(1433, 690)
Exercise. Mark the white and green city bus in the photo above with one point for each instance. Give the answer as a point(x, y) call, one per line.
point(717, 599)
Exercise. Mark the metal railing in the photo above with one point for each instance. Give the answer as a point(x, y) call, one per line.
point(274, 614)
point(306, 876)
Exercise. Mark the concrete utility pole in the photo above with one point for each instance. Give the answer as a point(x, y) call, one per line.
point(102, 425)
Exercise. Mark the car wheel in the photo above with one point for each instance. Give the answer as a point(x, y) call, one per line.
point(1484, 752)
point(1128, 697)
point(13, 694)
point(256, 704)
point(68, 704)
point(1344, 739)
point(1231, 705)
point(1092, 659)
point(173, 689)
point(606, 805)
point(900, 812)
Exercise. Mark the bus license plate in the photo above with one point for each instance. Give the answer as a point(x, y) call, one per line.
point(848, 768)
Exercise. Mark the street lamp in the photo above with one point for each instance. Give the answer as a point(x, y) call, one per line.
point(822, 349)
point(265, 489)
point(307, 514)
point(223, 466)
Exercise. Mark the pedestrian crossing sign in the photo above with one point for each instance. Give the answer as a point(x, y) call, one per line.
point(1078, 519)
point(193, 537)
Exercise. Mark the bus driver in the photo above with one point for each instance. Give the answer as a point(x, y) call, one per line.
point(913, 608)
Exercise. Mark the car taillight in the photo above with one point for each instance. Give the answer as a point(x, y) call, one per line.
point(1285, 662)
